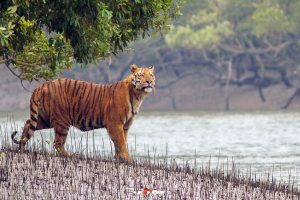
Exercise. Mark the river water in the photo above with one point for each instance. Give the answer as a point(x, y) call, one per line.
point(266, 142)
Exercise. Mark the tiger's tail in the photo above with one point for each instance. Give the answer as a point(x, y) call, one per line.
point(31, 124)
point(13, 135)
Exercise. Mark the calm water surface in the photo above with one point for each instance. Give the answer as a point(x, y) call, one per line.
point(264, 141)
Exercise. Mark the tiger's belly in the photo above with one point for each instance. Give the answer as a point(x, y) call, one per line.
point(85, 125)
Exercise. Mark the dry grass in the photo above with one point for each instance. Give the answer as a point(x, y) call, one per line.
point(40, 174)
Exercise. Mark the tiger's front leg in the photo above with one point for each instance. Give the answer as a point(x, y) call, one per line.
point(61, 133)
point(116, 134)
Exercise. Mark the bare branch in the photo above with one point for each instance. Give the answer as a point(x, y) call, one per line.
point(24, 86)
point(12, 71)
point(18, 76)
point(296, 93)
point(269, 49)
point(229, 77)
point(178, 78)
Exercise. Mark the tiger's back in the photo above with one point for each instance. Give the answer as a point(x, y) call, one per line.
point(74, 102)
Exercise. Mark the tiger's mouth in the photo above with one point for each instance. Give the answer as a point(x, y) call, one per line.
point(147, 88)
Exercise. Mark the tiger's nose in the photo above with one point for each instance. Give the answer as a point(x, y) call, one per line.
point(148, 81)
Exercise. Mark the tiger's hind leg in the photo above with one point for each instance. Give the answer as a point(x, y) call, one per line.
point(29, 129)
point(31, 124)
point(25, 135)
point(61, 134)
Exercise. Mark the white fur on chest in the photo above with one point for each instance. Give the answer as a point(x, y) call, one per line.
point(137, 106)
point(134, 106)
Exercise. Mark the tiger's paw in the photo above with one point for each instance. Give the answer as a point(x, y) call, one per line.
point(124, 159)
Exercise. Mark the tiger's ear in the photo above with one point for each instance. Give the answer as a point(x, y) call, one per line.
point(151, 68)
point(133, 68)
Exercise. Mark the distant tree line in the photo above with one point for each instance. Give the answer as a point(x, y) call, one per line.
point(246, 42)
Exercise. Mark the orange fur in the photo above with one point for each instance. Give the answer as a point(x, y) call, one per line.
point(62, 103)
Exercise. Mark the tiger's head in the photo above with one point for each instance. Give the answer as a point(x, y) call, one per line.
point(143, 78)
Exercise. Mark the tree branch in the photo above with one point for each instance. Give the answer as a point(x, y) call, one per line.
point(26, 64)
point(175, 80)
point(229, 75)
point(296, 93)
point(18, 76)
point(270, 48)
point(20, 62)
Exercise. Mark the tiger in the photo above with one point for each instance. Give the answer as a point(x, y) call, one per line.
point(64, 102)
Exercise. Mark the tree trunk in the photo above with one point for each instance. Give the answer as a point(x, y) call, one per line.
point(227, 87)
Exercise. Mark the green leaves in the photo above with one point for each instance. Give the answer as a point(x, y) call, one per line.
point(7, 19)
point(44, 58)
point(215, 21)
point(269, 19)
point(42, 38)
point(12, 9)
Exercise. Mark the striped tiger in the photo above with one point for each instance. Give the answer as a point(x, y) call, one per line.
point(62, 103)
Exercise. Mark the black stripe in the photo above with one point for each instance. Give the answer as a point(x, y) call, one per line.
point(32, 127)
point(59, 110)
point(67, 85)
point(60, 124)
point(61, 133)
point(89, 92)
point(66, 99)
point(59, 84)
point(94, 101)
point(83, 91)
point(109, 89)
point(79, 117)
point(33, 118)
point(91, 124)
point(99, 91)
point(102, 102)
point(32, 110)
point(88, 107)
point(75, 103)
point(44, 121)
point(81, 83)
point(113, 94)
point(48, 88)
point(49, 96)
point(74, 88)
point(94, 96)
point(83, 128)
point(99, 123)
point(132, 111)
point(53, 87)
point(43, 96)
point(33, 98)
point(104, 89)
point(81, 96)
point(58, 106)
point(136, 97)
